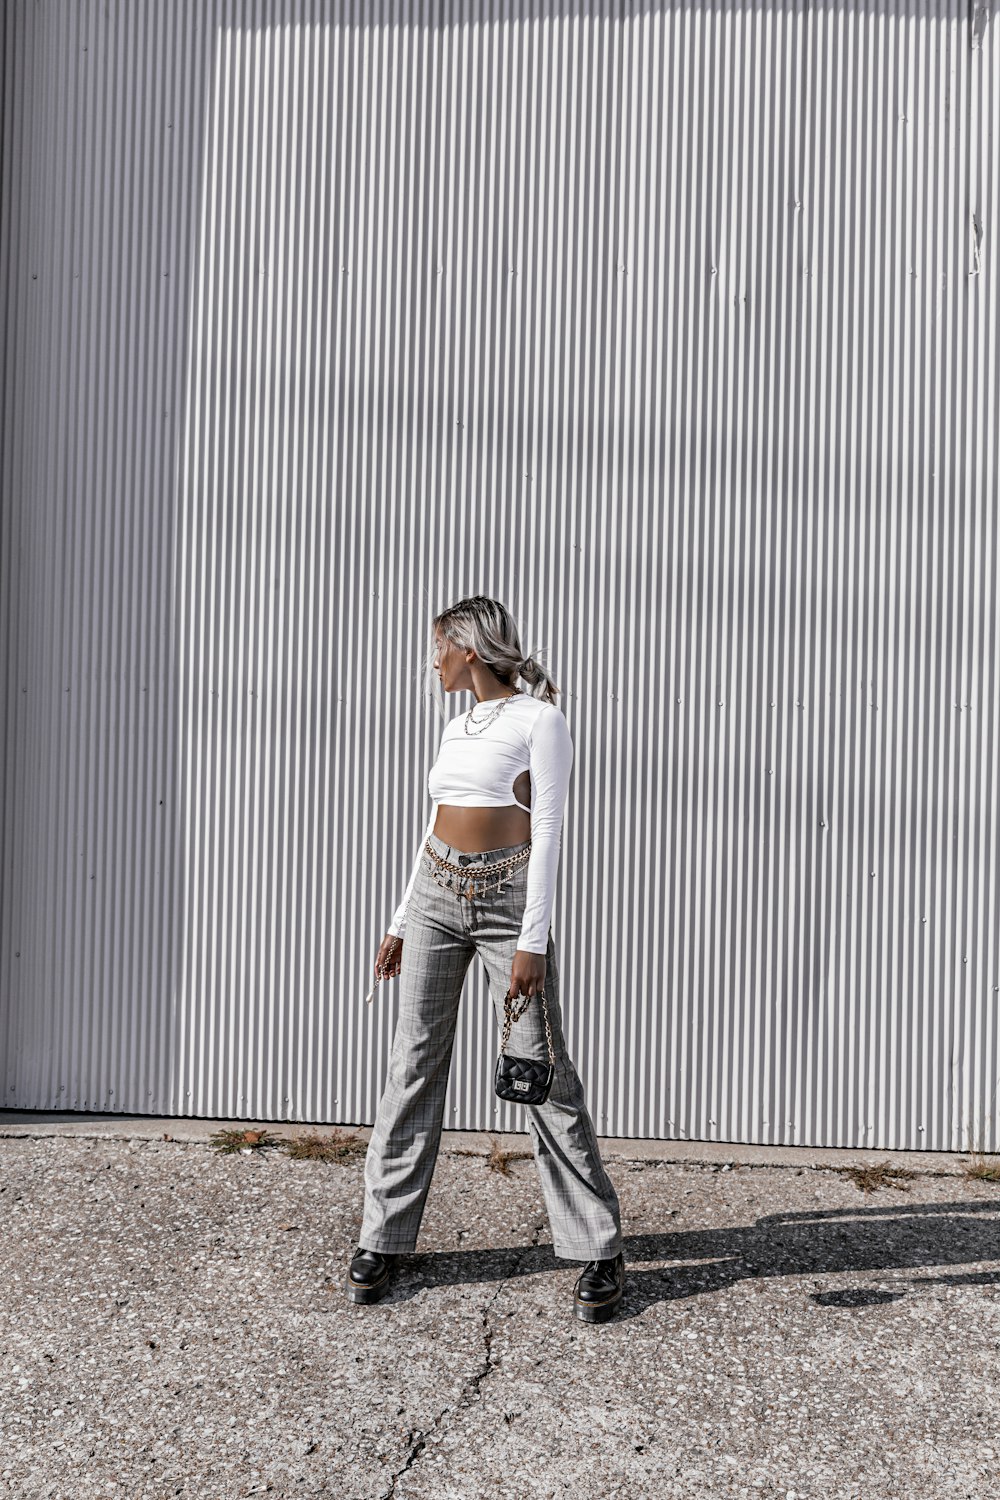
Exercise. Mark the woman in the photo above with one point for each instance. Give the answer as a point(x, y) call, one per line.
point(483, 883)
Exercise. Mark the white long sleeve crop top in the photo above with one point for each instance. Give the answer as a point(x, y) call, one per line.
point(479, 770)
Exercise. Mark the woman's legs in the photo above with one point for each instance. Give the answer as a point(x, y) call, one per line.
point(404, 1143)
point(582, 1204)
point(442, 936)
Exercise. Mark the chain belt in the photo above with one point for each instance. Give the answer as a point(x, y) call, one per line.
point(508, 868)
point(472, 886)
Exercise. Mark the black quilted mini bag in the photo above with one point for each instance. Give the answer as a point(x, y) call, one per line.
point(522, 1080)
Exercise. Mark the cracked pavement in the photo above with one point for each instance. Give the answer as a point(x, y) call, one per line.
point(173, 1322)
point(472, 1388)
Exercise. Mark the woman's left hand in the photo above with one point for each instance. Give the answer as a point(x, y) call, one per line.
point(527, 975)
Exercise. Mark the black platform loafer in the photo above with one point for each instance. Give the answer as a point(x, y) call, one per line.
point(369, 1276)
point(600, 1289)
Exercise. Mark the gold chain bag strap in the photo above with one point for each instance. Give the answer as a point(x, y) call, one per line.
point(522, 1080)
point(371, 993)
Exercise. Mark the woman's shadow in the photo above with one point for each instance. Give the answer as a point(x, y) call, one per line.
point(685, 1263)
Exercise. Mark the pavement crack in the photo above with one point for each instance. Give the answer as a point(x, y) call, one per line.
point(420, 1439)
point(472, 1387)
point(418, 1442)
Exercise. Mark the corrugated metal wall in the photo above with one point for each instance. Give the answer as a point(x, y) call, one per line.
point(674, 326)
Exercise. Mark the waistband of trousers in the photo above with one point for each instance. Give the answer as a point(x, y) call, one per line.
point(479, 857)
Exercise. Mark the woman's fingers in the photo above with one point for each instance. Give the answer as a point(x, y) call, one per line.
point(389, 958)
point(525, 978)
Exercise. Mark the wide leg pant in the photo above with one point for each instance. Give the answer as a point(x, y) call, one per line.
point(444, 932)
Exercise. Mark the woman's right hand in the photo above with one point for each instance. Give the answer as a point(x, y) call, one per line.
point(388, 960)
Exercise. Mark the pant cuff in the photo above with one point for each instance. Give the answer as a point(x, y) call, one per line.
point(582, 1252)
point(384, 1246)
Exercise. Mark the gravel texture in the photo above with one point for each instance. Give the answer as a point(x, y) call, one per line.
point(173, 1322)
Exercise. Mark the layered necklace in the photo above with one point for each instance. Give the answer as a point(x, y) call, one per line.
point(481, 724)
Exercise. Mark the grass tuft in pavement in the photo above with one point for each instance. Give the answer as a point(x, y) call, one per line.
point(230, 1140)
point(331, 1145)
point(984, 1168)
point(880, 1174)
point(499, 1160)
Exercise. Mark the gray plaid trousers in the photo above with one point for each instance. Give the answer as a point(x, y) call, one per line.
point(443, 935)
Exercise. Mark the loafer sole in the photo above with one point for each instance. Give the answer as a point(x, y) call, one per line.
point(598, 1312)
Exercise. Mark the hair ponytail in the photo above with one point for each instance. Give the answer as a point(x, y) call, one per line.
point(531, 671)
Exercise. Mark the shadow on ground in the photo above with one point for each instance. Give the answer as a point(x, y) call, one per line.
point(674, 1265)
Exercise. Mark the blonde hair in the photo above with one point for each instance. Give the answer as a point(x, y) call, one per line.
point(487, 627)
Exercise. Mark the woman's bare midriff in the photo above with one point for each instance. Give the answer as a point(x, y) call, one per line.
point(474, 829)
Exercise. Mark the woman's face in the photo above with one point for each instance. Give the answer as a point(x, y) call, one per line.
point(449, 661)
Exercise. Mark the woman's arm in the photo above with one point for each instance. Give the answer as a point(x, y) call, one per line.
point(397, 926)
point(550, 750)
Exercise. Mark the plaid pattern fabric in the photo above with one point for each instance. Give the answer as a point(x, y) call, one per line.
point(443, 935)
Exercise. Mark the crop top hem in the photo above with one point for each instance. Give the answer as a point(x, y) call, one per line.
point(485, 806)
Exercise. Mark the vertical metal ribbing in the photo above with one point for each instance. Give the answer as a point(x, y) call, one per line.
point(674, 327)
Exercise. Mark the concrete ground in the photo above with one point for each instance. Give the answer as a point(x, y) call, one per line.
point(173, 1322)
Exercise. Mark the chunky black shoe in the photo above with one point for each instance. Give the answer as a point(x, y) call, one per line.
point(599, 1289)
point(369, 1276)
